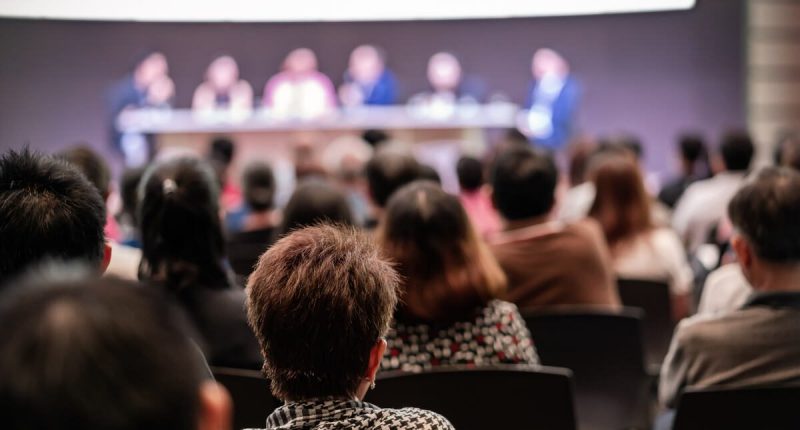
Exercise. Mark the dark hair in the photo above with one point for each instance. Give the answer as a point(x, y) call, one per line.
point(388, 171)
point(96, 354)
point(446, 268)
point(319, 300)
point(428, 173)
point(182, 239)
point(314, 202)
point(258, 184)
point(47, 210)
point(765, 212)
point(621, 204)
point(470, 173)
point(91, 164)
point(222, 150)
point(789, 151)
point(129, 190)
point(375, 137)
point(524, 183)
point(692, 147)
point(737, 151)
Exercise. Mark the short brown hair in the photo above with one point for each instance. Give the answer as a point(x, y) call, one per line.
point(447, 269)
point(318, 301)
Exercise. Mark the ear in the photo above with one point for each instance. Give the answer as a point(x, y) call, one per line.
point(106, 258)
point(216, 408)
point(744, 253)
point(375, 356)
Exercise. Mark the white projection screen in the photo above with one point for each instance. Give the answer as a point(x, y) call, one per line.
point(320, 10)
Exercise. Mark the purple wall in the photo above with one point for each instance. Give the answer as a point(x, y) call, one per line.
point(652, 74)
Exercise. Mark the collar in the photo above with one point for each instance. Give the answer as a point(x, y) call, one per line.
point(775, 300)
point(316, 411)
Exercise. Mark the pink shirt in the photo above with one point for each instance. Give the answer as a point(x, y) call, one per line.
point(481, 212)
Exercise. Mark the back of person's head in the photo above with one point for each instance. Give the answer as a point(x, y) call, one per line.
point(428, 173)
point(765, 213)
point(470, 173)
point(387, 171)
point(313, 202)
point(91, 164)
point(375, 137)
point(579, 153)
point(182, 238)
point(446, 268)
point(129, 190)
point(258, 185)
point(621, 204)
point(48, 210)
point(737, 151)
point(692, 147)
point(524, 183)
point(97, 354)
point(320, 299)
point(222, 150)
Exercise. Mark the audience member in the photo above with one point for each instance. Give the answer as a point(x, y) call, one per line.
point(547, 262)
point(759, 343)
point(101, 354)
point(320, 302)
point(429, 173)
point(702, 206)
point(314, 202)
point(220, 155)
point(450, 285)
point(693, 165)
point(367, 81)
point(127, 217)
point(222, 88)
point(184, 253)
point(344, 160)
point(639, 249)
point(259, 223)
point(300, 90)
point(475, 197)
point(579, 196)
point(124, 259)
point(386, 172)
point(49, 210)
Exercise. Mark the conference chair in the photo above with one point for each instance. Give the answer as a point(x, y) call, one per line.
point(654, 298)
point(604, 350)
point(252, 399)
point(486, 397)
point(773, 408)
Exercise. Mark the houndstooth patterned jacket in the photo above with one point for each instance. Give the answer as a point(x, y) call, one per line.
point(333, 414)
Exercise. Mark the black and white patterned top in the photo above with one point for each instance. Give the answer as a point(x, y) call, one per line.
point(333, 414)
point(497, 335)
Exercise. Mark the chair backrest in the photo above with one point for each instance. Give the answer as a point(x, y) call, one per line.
point(507, 397)
point(654, 298)
point(774, 408)
point(604, 350)
point(252, 399)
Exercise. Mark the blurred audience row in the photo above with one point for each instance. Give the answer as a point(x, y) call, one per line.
point(431, 279)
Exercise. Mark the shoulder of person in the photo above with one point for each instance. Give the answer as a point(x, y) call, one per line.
point(421, 419)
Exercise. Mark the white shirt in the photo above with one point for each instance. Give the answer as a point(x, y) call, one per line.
point(726, 289)
point(658, 256)
point(703, 205)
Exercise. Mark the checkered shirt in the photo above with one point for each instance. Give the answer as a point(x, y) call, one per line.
point(333, 414)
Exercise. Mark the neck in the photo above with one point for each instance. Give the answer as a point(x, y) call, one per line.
point(257, 220)
point(779, 277)
point(527, 222)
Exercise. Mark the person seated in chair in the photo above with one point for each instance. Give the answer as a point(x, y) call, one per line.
point(320, 301)
point(450, 287)
point(547, 262)
point(759, 343)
